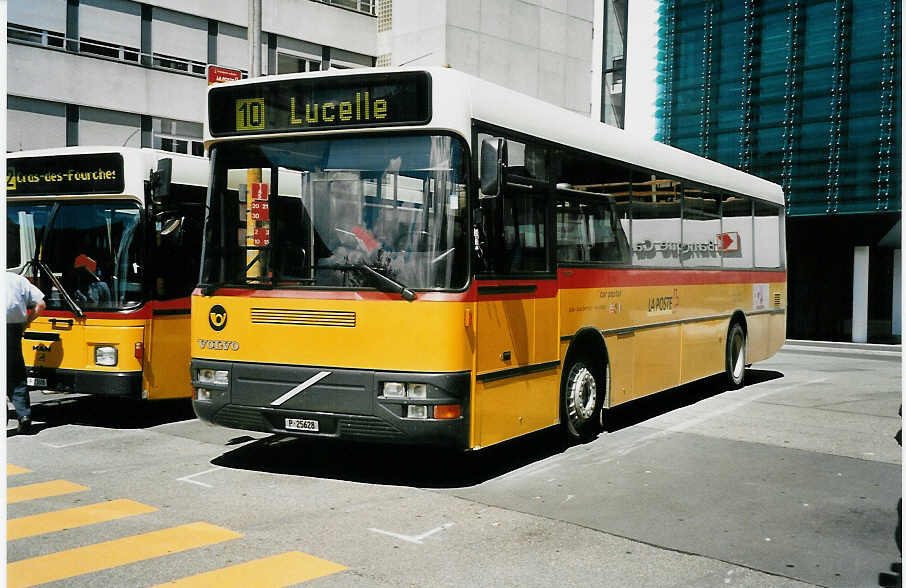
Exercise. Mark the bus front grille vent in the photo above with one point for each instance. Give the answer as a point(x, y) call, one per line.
point(778, 299)
point(303, 318)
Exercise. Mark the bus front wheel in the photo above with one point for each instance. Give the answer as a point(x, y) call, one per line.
point(736, 356)
point(581, 399)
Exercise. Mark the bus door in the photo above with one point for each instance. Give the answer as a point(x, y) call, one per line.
point(517, 372)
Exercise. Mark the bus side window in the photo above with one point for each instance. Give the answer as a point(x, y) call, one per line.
point(701, 228)
point(768, 252)
point(736, 223)
point(177, 258)
point(656, 223)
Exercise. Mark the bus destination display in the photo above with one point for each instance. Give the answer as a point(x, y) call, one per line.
point(320, 103)
point(90, 173)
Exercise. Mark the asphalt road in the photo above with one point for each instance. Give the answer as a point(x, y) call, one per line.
point(792, 480)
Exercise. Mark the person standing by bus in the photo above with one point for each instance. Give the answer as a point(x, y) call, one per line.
point(24, 302)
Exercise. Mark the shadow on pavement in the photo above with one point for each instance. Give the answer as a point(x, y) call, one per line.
point(638, 411)
point(112, 413)
point(391, 465)
point(427, 467)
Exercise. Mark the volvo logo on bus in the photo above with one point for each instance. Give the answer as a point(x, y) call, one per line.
point(217, 317)
point(218, 345)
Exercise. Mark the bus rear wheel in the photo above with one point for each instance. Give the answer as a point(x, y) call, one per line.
point(736, 356)
point(582, 396)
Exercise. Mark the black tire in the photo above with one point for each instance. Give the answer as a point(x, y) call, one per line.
point(735, 362)
point(581, 398)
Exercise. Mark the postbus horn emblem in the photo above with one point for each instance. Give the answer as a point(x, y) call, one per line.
point(217, 317)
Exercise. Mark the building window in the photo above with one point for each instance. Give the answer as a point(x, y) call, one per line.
point(33, 35)
point(385, 15)
point(177, 136)
point(287, 63)
point(614, 87)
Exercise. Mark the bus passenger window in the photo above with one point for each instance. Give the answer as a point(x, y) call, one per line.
point(767, 235)
point(588, 232)
point(656, 229)
point(701, 228)
point(736, 224)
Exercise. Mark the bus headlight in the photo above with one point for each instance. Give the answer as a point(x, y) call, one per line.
point(404, 390)
point(393, 390)
point(417, 411)
point(105, 355)
point(215, 377)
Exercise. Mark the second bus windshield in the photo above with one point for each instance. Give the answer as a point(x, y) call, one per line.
point(395, 204)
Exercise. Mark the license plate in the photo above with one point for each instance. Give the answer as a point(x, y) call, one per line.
point(302, 425)
point(35, 381)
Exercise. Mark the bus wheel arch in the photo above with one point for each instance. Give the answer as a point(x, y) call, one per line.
point(583, 385)
point(735, 354)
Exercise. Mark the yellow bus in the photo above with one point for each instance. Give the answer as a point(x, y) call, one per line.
point(112, 236)
point(420, 256)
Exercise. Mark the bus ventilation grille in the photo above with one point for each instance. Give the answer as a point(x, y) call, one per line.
point(778, 299)
point(307, 318)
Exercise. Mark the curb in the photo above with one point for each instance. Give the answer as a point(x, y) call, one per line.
point(842, 345)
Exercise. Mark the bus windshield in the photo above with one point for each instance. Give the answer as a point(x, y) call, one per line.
point(335, 213)
point(92, 248)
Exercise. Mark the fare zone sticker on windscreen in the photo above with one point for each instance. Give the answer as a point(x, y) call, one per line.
point(319, 103)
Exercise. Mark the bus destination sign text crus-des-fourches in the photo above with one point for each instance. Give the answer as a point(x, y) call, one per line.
point(320, 103)
point(87, 173)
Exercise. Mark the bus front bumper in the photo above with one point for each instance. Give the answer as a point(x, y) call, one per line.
point(118, 384)
point(335, 403)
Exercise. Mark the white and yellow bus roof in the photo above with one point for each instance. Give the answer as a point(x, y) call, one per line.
point(457, 99)
point(137, 164)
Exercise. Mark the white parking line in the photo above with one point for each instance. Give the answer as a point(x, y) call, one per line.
point(417, 539)
point(191, 481)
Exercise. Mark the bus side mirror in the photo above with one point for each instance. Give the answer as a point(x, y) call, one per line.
point(160, 184)
point(493, 166)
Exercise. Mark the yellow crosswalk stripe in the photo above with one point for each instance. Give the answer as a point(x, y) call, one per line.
point(13, 470)
point(41, 490)
point(269, 572)
point(71, 518)
point(110, 554)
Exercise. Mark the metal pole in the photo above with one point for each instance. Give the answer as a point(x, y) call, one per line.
point(254, 175)
point(254, 37)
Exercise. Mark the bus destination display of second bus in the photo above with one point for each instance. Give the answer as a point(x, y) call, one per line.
point(320, 103)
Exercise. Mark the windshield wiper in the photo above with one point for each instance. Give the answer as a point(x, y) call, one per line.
point(59, 286)
point(384, 283)
point(39, 263)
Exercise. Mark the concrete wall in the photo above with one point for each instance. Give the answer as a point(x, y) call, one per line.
point(33, 72)
point(542, 48)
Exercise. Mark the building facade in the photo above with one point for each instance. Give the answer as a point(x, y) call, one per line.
point(123, 72)
point(120, 72)
point(806, 94)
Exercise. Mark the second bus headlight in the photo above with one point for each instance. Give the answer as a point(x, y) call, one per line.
point(105, 355)
point(216, 377)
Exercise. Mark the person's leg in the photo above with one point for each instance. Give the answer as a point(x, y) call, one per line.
point(16, 388)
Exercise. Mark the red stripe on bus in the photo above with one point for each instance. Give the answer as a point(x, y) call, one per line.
point(575, 278)
point(143, 312)
point(568, 278)
point(372, 295)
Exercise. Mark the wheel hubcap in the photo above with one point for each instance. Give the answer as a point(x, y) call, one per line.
point(583, 395)
point(738, 356)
